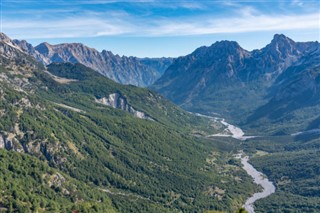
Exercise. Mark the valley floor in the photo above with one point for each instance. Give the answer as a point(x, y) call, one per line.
point(258, 177)
point(290, 162)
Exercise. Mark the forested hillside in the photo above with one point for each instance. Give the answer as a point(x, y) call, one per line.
point(136, 149)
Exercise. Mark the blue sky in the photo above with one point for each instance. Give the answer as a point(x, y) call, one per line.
point(157, 28)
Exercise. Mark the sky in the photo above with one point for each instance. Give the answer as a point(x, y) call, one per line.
point(156, 28)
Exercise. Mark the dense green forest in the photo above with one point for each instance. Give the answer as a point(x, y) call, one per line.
point(27, 183)
point(292, 163)
point(133, 164)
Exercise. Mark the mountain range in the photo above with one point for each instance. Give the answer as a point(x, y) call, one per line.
point(73, 140)
point(249, 87)
point(126, 70)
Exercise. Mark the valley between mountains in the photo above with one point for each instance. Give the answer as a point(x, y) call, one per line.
point(89, 131)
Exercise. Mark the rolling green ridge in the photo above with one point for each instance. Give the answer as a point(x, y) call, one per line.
point(141, 165)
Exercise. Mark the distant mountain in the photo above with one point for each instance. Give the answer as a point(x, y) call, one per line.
point(28, 48)
point(294, 98)
point(189, 76)
point(233, 82)
point(126, 70)
point(9, 49)
point(158, 64)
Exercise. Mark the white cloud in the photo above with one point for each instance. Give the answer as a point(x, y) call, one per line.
point(297, 3)
point(67, 28)
point(191, 5)
point(249, 23)
point(92, 24)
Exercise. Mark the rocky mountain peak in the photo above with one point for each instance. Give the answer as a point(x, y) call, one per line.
point(220, 49)
point(226, 44)
point(23, 44)
point(44, 48)
point(66, 50)
point(4, 37)
point(212, 73)
point(8, 48)
point(8, 41)
point(125, 70)
point(29, 49)
point(74, 46)
point(283, 46)
point(280, 38)
point(107, 53)
point(281, 53)
point(228, 48)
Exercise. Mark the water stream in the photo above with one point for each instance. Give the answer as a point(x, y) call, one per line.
point(232, 131)
point(258, 177)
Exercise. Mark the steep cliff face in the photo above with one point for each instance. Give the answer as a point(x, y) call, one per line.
point(8, 49)
point(125, 70)
point(117, 101)
point(28, 48)
point(281, 53)
point(294, 98)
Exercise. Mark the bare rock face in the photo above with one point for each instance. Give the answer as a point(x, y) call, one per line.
point(28, 48)
point(298, 87)
point(5, 39)
point(117, 101)
point(211, 74)
point(2, 144)
point(8, 48)
point(125, 70)
point(57, 180)
point(13, 55)
point(10, 142)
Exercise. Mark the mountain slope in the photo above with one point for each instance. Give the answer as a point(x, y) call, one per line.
point(158, 64)
point(126, 70)
point(27, 184)
point(294, 97)
point(228, 80)
point(143, 165)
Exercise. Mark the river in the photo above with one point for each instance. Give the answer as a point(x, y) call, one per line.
point(258, 177)
point(229, 131)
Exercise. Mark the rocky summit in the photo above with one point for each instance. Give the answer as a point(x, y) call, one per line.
point(126, 70)
point(228, 80)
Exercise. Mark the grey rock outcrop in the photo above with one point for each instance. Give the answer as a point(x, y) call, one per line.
point(2, 144)
point(117, 101)
point(28, 48)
